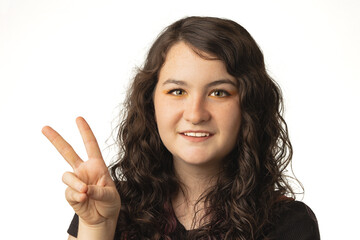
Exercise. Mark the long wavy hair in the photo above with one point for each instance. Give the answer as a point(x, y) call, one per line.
point(243, 202)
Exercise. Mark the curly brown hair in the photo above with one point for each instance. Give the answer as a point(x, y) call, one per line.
point(242, 205)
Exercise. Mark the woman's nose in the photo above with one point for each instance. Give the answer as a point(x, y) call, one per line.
point(196, 110)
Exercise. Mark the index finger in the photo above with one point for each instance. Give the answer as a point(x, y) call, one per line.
point(62, 146)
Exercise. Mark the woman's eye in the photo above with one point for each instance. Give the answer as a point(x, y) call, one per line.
point(177, 92)
point(219, 93)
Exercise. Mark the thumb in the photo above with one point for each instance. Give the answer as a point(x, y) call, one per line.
point(100, 193)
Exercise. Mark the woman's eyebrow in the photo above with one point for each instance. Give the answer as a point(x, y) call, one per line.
point(222, 81)
point(214, 83)
point(177, 82)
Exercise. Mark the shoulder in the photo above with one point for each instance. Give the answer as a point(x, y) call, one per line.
point(296, 221)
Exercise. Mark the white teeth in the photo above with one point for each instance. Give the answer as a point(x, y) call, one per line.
point(196, 134)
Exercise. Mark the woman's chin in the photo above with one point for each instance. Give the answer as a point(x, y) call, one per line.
point(198, 160)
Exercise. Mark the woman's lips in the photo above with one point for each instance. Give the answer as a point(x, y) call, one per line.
point(196, 136)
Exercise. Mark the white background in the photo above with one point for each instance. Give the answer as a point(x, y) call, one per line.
point(63, 59)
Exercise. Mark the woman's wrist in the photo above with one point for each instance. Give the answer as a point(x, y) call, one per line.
point(101, 231)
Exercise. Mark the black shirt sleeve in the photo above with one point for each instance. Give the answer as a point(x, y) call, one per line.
point(73, 228)
point(297, 222)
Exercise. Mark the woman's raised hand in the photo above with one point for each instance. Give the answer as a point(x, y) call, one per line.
point(91, 191)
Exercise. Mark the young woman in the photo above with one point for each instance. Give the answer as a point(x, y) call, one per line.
point(203, 145)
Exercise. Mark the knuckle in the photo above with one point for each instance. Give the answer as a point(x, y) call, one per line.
point(67, 193)
point(65, 177)
point(70, 195)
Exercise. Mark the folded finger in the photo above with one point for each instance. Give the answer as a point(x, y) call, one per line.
point(91, 145)
point(62, 146)
point(71, 180)
point(73, 196)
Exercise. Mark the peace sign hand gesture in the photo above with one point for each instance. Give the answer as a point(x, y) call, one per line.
point(91, 191)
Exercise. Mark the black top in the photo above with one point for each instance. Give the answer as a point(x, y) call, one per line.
point(297, 222)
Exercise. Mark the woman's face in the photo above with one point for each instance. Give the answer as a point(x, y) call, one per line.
point(197, 107)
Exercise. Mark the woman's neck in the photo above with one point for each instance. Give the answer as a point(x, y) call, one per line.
point(195, 182)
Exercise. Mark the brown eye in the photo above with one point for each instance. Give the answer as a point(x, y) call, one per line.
point(219, 93)
point(177, 92)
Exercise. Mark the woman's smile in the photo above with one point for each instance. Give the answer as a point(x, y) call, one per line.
point(196, 136)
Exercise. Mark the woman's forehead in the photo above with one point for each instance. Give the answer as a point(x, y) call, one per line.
point(183, 63)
